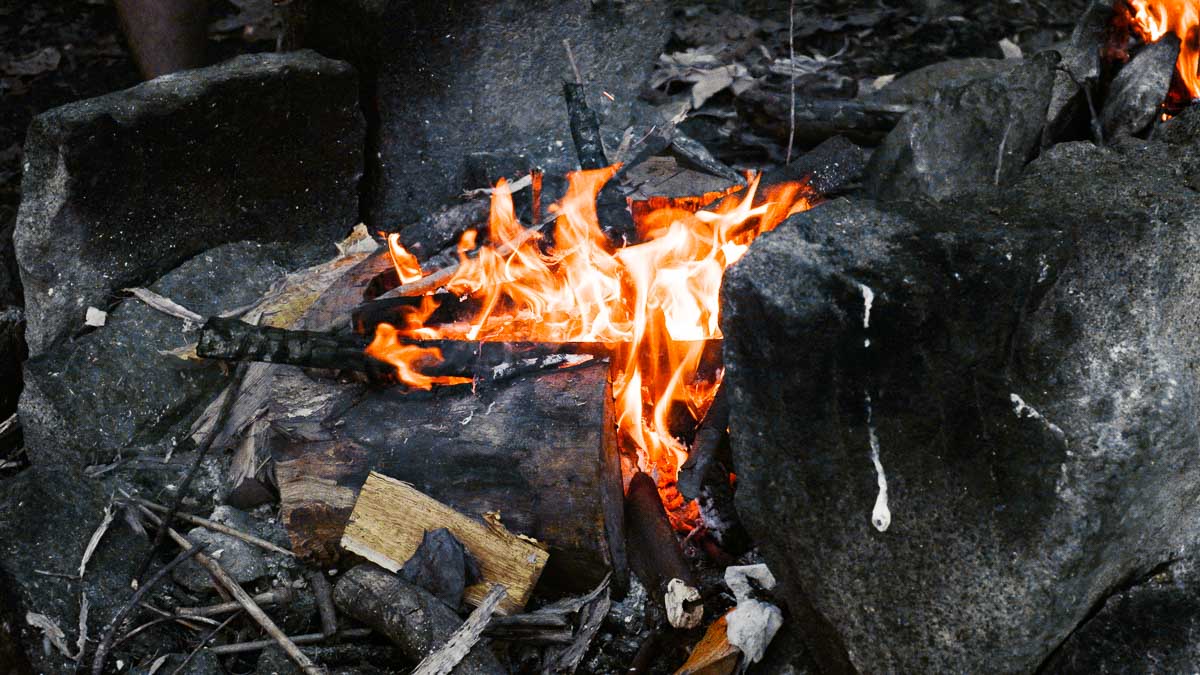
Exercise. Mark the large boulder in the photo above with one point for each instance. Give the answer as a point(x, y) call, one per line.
point(1016, 371)
point(121, 188)
point(119, 389)
point(967, 138)
point(445, 79)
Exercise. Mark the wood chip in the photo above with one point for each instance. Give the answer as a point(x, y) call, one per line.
point(95, 540)
point(50, 630)
point(713, 655)
point(445, 658)
point(165, 305)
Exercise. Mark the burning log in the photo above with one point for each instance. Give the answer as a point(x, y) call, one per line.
point(236, 340)
point(408, 616)
point(817, 120)
point(655, 556)
point(390, 519)
point(541, 450)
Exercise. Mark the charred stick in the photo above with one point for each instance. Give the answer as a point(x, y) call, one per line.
point(279, 596)
point(654, 552)
point(226, 406)
point(110, 630)
point(306, 639)
point(539, 628)
point(203, 641)
point(236, 340)
point(817, 120)
point(243, 598)
point(324, 594)
point(710, 451)
point(585, 127)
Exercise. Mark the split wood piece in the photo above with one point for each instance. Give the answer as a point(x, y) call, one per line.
point(242, 597)
point(655, 556)
point(306, 639)
point(218, 527)
point(282, 595)
point(449, 655)
point(713, 655)
point(391, 517)
point(818, 120)
point(407, 615)
point(540, 450)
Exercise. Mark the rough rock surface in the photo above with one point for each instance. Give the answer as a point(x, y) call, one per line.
point(966, 138)
point(1027, 387)
point(1136, 94)
point(244, 561)
point(922, 84)
point(12, 353)
point(1153, 626)
point(111, 390)
point(44, 526)
point(450, 78)
point(121, 188)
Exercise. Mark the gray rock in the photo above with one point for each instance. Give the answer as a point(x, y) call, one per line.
point(1153, 626)
point(973, 137)
point(447, 79)
point(88, 399)
point(1027, 384)
point(244, 561)
point(1136, 95)
point(922, 84)
point(46, 526)
point(121, 188)
point(1079, 72)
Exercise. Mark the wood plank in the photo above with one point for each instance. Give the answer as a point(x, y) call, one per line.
point(391, 517)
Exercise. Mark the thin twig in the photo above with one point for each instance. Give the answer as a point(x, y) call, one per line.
point(111, 629)
point(226, 407)
point(235, 589)
point(792, 70)
point(218, 527)
point(279, 596)
point(203, 641)
point(306, 639)
point(571, 58)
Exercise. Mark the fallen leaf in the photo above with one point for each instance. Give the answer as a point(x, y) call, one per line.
point(711, 82)
point(42, 61)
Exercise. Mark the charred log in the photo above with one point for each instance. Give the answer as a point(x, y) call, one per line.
point(236, 340)
point(585, 128)
point(654, 552)
point(861, 121)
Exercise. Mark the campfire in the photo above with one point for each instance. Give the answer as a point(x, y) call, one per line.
point(655, 303)
point(761, 360)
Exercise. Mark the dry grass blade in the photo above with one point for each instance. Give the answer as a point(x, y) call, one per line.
point(165, 305)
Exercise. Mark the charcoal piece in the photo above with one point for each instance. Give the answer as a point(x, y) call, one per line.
point(830, 167)
point(585, 127)
point(692, 152)
point(410, 617)
point(1136, 95)
point(117, 387)
point(200, 169)
point(451, 78)
point(1012, 340)
point(975, 137)
point(441, 566)
point(440, 229)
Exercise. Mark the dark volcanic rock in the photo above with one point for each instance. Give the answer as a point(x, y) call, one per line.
point(1024, 377)
point(1136, 95)
point(46, 526)
point(89, 398)
point(445, 79)
point(1153, 626)
point(1078, 74)
point(121, 188)
point(968, 138)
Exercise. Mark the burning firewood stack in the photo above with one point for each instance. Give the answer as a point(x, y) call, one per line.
point(915, 395)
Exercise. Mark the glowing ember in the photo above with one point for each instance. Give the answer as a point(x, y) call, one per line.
point(1152, 19)
point(658, 300)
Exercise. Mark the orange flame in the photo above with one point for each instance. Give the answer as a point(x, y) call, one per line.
point(659, 300)
point(407, 267)
point(1152, 19)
